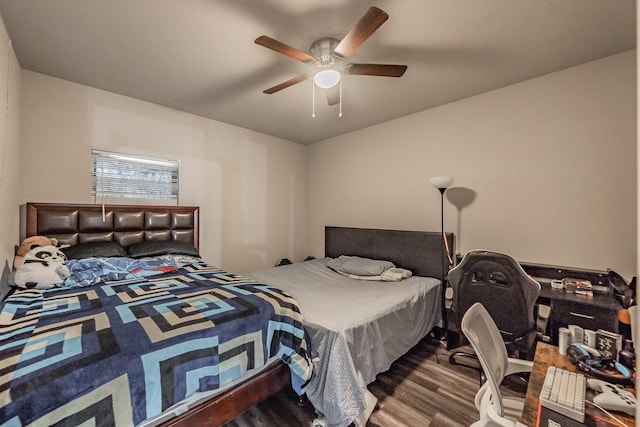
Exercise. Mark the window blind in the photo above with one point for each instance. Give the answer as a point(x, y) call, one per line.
point(135, 179)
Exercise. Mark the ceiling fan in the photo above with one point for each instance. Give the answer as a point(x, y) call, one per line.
point(328, 54)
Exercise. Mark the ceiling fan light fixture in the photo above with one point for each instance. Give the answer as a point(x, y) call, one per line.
point(326, 79)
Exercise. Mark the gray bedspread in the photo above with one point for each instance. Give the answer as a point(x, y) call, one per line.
point(357, 329)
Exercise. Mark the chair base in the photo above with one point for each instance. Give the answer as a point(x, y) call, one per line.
point(464, 358)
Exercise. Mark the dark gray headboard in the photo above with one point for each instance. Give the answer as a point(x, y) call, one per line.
point(418, 251)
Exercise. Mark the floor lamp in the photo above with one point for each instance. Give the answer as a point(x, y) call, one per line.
point(442, 183)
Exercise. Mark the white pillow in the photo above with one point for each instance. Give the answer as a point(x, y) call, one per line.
point(43, 268)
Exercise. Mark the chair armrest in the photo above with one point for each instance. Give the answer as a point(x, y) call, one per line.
point(518, 365)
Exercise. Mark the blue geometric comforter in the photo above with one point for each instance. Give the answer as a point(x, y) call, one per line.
point(122, 352)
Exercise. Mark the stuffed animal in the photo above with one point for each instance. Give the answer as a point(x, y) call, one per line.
point(42, 268)
point(30, 243)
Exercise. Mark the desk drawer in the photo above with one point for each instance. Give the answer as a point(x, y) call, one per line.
point(584, 315)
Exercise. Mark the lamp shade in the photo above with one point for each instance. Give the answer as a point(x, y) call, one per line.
point(441, 181)
point(326, 78)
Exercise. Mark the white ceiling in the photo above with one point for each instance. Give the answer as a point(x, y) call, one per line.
point(199, 56)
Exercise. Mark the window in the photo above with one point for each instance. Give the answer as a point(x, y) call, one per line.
point(125, 178)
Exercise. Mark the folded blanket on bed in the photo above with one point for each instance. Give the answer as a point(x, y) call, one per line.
point(393, 274)
point(90, 271)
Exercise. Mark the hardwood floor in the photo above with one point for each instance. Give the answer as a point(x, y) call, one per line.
point(420, 389)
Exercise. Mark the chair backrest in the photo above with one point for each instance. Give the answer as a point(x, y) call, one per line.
point(498, 282)
point(484, 336)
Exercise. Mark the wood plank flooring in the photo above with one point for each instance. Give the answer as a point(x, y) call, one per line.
point(420, 389)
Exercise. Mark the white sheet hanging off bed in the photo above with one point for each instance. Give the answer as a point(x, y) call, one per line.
point(357, 329)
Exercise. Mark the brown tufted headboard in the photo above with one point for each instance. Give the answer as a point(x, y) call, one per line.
point(125, 224)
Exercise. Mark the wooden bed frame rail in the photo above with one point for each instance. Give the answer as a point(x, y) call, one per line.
point(231, 403)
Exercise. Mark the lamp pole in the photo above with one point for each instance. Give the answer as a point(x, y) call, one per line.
point(442, 183)
point(444, 248)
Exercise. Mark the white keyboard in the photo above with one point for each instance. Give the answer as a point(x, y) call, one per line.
point(564, 392)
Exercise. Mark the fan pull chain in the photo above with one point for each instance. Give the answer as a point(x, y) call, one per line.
point(340, 115)
point(313, 99)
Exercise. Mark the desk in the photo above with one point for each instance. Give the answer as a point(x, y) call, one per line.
point(597, 312)
point(548, 355)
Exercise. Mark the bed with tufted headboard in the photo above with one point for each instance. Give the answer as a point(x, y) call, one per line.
point(184, 344)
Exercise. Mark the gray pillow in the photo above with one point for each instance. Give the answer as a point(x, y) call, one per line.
point(359, 266)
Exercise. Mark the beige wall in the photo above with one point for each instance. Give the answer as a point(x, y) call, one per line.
point(550, 164)
point(251, 187)
point(544, 170)
point(9, 152)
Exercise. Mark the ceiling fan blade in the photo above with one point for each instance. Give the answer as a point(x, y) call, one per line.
point(286, 84)
point(370, 22)
point(284, 49)
point(333, 95)
point(384, 70)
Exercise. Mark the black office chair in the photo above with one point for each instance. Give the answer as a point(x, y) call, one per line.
point(500, 284)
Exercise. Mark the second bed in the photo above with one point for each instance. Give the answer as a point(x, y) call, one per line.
point(359, 327)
